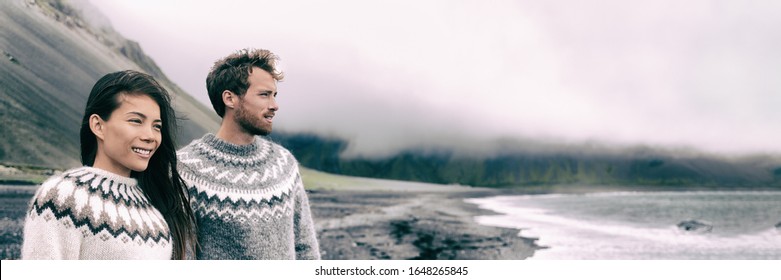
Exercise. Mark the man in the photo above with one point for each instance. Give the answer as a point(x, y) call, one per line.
point(247, 193)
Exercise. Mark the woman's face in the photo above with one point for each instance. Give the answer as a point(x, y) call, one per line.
point(130, 136)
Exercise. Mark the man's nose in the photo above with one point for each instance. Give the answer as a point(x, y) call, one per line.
point(273, 106)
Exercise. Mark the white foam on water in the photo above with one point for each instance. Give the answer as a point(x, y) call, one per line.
point(571, 238)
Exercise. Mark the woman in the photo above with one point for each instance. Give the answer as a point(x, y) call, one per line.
point(127, 201)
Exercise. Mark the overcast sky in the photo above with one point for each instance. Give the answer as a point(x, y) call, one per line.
point(395, 74)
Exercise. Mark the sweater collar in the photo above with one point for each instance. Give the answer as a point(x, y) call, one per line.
point(111, 176)
point(230, 148)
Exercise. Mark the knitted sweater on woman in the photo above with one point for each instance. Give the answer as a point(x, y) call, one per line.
point(89, 213)
point(249, 200)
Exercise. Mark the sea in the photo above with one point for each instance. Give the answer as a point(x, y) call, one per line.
point(14, 200)
point(644, 225)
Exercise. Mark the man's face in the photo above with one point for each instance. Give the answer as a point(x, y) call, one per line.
point(257, 107)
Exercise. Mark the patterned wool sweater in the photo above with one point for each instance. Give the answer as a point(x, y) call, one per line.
point(249, 200)
point(89, 213)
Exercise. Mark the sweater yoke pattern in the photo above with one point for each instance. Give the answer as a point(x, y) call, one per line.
point(256, 186)
point(99, 206)
point(248, 200)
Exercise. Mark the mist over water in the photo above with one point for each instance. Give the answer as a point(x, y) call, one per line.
point(637, 225)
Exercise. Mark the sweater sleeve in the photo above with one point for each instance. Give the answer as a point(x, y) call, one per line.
point(306, 244)
point(49, 232)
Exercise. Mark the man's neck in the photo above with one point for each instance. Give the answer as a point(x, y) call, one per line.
point(231, 133)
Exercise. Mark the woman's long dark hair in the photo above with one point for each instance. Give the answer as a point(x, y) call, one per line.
point(160, 181)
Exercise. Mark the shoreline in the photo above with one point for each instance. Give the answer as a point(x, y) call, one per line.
point(620, 235)
point(383, 224)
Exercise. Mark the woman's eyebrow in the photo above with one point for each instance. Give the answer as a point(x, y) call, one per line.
point(142, 116)
point(136, 113)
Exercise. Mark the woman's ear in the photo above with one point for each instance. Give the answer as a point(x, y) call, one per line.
point(229, 99)
point(97, 125)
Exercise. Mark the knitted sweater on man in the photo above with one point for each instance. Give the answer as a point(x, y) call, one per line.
point(249, 200)
point(89, 213)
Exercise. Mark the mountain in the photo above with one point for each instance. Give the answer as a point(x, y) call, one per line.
point(52, 55)
point(516, 166)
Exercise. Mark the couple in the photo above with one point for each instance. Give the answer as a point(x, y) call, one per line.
point(232, 195)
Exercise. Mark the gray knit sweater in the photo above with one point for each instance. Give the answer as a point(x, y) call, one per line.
point(249, 200)
point(89, 213)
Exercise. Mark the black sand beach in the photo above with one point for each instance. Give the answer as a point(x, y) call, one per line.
point(381, 224)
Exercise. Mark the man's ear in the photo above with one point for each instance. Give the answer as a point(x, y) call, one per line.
point(229, 99)
point(97, 125)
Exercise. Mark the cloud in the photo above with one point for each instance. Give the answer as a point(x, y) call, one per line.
point(392, 75)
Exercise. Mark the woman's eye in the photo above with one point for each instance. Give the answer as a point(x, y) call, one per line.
point(135, 121)
point(158, 127)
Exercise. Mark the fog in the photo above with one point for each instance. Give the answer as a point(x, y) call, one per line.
point(391, 75)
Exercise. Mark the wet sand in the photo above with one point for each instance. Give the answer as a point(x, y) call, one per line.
point(410, 224)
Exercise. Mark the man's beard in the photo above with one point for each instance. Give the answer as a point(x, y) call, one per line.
point(250, 123)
